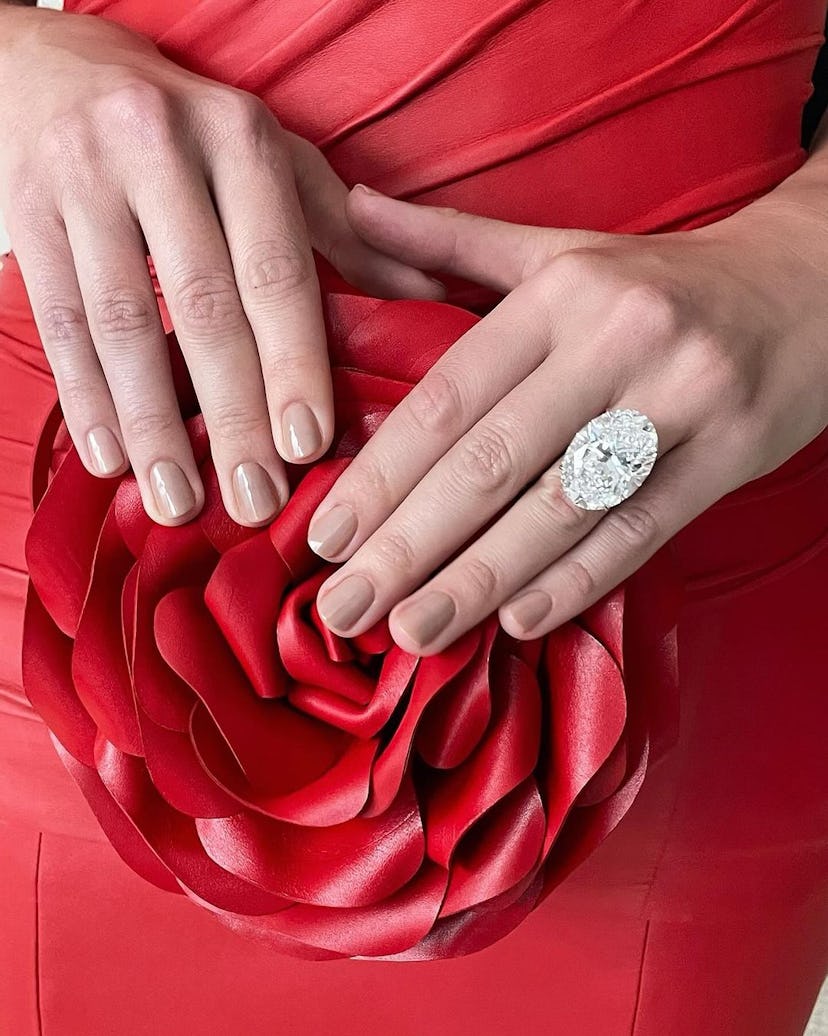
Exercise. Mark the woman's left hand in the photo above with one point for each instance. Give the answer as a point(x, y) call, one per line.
point(717, 334)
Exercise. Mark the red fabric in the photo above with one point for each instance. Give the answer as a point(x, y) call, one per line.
point(706, 910)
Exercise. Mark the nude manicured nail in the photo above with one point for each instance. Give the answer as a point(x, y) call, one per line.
point(346, 603)
point(528, 609)
point(174, 496)
point(104, 451)
point(332, 532)
point(423, 619)
point(301, 430)
point(256, 496)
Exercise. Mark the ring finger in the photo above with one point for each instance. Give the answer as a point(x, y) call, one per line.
point(548, 526)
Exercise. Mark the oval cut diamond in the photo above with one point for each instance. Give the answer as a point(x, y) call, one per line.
point(609, 458)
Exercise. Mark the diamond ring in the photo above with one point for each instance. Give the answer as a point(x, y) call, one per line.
point(609, 458)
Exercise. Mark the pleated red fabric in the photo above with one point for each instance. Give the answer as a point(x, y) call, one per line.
point(706, 909)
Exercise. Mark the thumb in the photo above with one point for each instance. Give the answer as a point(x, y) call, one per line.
point(492, 252)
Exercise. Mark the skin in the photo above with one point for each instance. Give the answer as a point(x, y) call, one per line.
point(717, 334)
point(110, 151)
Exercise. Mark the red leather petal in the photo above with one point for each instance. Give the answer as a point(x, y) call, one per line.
point(336, 796)
point(474, 929)
point(100, 670)
point(274, 746)
point(586, 713)
point(505, 757)
point(432, 675)
point(394, 679)
point(73, 521)
point(172, 556)
point(173, 838)
point(498, 851)
point(118, 828)
point(178, 774)
point(356, 863)
point(387, 927)
point(454, 722)
point(47, 675)
point(248, 582)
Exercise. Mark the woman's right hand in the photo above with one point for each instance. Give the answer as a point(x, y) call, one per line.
point(111, 151)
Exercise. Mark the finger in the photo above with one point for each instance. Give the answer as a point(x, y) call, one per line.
point(199, 286)
point(323, 197)
point(478, 476)
point(129, 338)
point(683, 483)
point(464, 384)
point(496, 253)
point(47, 265)
point(259, 209)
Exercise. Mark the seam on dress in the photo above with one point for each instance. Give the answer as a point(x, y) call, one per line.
point(640, 978)
point(37, 933)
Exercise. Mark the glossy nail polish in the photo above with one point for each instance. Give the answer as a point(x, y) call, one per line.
point(256, 496)
point(104, 450)
point(345, 604)
point(427, 617)
point(332, 532)
point(301, 430)
point(528, 609)
point(174, 496)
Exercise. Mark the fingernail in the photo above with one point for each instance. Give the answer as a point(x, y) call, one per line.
point(423, 619)
point(174, 496)
point(366, 188)
point(346, 602)
point(104, 450)
point(256, 496)
point(301, 430)
point(528, 609)
point(332, 532)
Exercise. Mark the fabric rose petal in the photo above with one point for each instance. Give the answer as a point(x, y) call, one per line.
point(336, 797)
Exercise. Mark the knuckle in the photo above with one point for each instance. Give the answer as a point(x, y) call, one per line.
point(139, 111)
point(575, 266)
point(634, 525)
point(235, 420)
point(555, 506)
point(241, 117)
point(394, 550)
point(147, 427)
point(649, 307)
point(436, 403)
point(481, 577)
point(121, 315)
point(62, 325)
point(374, 484)
point(582, 580)
point(716, 375)
point(272, 270)
point(208, 303)
point(486, 460)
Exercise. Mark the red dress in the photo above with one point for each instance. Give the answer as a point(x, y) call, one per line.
point(706, 910)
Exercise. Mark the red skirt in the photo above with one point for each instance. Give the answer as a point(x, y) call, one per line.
point(706, 910)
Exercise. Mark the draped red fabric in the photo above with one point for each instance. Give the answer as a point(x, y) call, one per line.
point(706, 909)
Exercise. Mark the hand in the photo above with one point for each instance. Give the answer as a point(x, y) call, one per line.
point(110, 150)
point(718, 335)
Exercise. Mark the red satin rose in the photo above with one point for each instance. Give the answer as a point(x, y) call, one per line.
point(338, 797)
